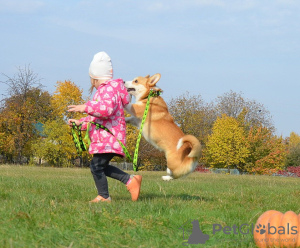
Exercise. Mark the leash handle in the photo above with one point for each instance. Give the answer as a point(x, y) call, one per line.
point(79, 144)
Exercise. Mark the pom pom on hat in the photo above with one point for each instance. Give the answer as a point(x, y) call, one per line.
point(101, 66)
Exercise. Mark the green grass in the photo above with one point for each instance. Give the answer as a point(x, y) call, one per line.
point(48, 207)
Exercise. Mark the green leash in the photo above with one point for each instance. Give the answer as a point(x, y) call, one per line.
point(98, 126)
point(136, 151)
point(80, 146)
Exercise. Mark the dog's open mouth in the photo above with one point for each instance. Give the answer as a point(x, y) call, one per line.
point(130, 89)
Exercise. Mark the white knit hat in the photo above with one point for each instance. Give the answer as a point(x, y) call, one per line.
point(101, 66)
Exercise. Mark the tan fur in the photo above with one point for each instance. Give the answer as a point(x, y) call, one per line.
point(182, 151)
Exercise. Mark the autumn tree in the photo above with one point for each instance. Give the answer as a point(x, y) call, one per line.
point(7, 150)
point(227, 146)
point(25, 105)
point(66, 93)
point(293, 156)
point(192, 115)
point(267, 151)
point(294, 140)
point(274, 161)
point(58, 147)
point(233, 104)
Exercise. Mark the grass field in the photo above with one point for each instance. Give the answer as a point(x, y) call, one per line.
point(48, 207)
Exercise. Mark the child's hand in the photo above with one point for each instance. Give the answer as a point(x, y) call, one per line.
point(70, 121)
point(77, 108)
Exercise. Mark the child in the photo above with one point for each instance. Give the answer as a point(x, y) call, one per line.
point(106, 108)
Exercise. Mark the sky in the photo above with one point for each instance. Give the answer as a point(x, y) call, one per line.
point(204, 47)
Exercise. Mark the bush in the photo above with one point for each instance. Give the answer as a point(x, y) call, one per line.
point(292, 171)
point(293, 158)
point(202, 169)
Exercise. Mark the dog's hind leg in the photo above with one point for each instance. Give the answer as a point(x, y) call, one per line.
point(169, 176)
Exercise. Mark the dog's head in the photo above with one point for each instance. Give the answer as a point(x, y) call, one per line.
point(141, 86)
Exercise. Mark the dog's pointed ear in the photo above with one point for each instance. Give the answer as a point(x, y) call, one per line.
point(154, 79)
point(147, 76)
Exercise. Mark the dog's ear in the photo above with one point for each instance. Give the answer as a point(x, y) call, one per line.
point(147, 76)
point(154, 79)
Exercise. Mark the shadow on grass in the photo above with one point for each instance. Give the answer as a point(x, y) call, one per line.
point(183, 197)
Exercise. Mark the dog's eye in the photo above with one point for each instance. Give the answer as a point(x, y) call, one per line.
point(135, 81)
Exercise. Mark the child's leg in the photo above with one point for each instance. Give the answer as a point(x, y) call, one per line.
point(98, 165)
point(116, 173)
point(133, 183)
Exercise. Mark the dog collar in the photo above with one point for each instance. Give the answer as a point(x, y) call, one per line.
point(153, 93)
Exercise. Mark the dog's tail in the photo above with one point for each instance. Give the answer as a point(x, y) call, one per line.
point(190, 150)
point(195, 144)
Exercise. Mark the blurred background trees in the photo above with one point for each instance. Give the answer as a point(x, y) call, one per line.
point(57, 147)
point(33, 122)
point(193, 115)
point(293, 156)
point(255, 114)
point(25, 105)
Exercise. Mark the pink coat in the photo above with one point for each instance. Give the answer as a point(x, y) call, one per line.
point(107, 109)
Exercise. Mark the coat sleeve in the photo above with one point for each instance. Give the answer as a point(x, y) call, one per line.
point(124, 95)
point(104, 106)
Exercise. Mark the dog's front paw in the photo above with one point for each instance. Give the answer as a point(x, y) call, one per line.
point(167, 178)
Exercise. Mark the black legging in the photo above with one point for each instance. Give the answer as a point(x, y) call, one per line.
point(100, 168)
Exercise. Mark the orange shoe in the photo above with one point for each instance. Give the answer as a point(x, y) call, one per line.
point(99, 198)
point(134, 187)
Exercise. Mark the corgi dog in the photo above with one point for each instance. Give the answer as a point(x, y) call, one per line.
point(182, 151)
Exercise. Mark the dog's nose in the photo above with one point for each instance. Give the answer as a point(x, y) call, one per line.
point(124, 82)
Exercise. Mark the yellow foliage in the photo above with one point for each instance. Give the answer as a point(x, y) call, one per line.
point(294, 140)
point(58, 147)
point(67, 93)
point(227, 146)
